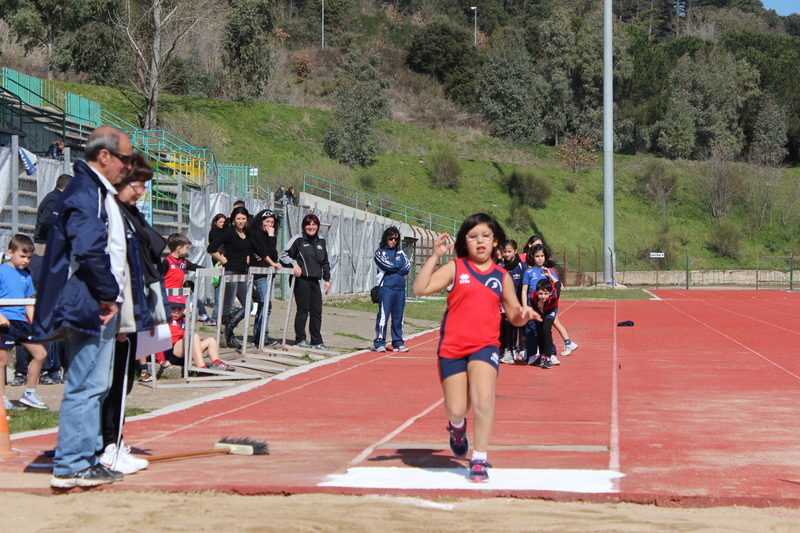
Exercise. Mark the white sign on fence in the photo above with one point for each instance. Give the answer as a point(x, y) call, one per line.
point(657, 255)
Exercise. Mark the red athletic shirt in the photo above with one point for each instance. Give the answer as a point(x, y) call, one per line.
point(178, 329)
point(472, 318)
point(176, 272)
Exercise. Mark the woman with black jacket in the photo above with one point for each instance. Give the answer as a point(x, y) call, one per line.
point(308, 256)
point(238, 251)
point(264, 240)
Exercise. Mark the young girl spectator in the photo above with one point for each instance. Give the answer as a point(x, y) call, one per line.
point(512, 338)
point(217, 226)
point(536, 257)
point(468, 351)
point(550, 262)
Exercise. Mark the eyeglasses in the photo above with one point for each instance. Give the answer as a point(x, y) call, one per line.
point(393, 238)
point(486, 236)
point(138, 188)
point(124, 158)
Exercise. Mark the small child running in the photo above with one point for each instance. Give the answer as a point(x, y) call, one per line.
point(15, 321)
point(468, 351)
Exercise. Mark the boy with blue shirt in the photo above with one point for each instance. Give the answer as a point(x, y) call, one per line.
point(15, 321)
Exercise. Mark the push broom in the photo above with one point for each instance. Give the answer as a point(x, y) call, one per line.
point(226, 445)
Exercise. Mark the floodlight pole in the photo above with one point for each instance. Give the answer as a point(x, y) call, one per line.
point(323, 24)
point(608, 146)
point(475, 24)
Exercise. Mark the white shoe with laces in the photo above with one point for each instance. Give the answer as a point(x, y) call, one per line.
point(121, 460)
point(569, 348)
point(554, 360)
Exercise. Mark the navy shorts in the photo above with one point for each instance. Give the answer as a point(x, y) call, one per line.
point(451, 367)
point(17, 332)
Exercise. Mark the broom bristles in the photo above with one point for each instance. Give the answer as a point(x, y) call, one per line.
point(259, 447)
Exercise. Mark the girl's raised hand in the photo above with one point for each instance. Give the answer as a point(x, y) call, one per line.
point(439, 247)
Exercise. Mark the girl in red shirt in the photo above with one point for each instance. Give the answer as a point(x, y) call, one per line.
point(469, 354)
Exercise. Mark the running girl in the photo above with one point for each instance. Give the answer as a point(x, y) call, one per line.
point(469, 354)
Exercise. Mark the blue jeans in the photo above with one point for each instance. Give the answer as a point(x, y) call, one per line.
point(262, 287)
point(217, 305)
point(80, 435)
point(392, 302)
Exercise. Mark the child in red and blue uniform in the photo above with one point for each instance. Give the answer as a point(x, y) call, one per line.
point(512, 338)
point(469, 354)
point(175, 265)
point(545, 304)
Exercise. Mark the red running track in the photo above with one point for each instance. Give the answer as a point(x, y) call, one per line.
point(695, 405)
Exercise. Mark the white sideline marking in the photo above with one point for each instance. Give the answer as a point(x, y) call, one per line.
point(583, 481)
point(613, 445)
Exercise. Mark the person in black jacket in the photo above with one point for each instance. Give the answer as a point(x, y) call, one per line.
point(308, 255)
point(238, 251)
point(45, 211)
point(264, 240)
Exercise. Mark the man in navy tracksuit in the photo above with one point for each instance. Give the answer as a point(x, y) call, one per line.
point(393, 267)
point(83, 280)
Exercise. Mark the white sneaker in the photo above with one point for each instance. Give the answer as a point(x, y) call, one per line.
point(401, 349)
point(569, 348)
point(520, 355)
point(554, 360)
point(508, 358)
point(31, 399)
point(380, 349)
point(122, 460)
point(254, 311)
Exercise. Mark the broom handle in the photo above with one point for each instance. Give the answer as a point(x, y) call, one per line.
point(187, 454)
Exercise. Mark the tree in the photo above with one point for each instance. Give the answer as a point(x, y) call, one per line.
point(712, 90)
point(247, 45)
point(359, 100)
point(575, 153)
point(445, 51)
point(769, 136)
point(153, 29)
point(719, 186)
point(557, 43)
point(659, 184)
point(587, 71)
point(46, 24)
point(507, 89)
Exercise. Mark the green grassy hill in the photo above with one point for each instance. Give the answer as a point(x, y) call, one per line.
point(286, 142)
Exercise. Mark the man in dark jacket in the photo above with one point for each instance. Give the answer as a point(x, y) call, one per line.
point(45, 211)
point(84, 276)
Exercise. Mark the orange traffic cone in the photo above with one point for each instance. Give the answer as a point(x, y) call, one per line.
point(5, 441)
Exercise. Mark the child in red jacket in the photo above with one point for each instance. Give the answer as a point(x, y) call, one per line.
point(545, 304)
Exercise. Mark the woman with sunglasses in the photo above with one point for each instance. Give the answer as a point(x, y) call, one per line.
point(393, 267)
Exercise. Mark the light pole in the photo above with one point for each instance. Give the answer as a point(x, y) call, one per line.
point(323, 24)
point(475, 25)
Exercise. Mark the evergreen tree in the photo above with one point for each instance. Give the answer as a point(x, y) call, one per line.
point(508, 91)
point(769, 136)
point(557, 43)
point(247, 45)
point(359, 101)
point(715, 87)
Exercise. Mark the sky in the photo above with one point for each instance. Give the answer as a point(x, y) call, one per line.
point(783, 7)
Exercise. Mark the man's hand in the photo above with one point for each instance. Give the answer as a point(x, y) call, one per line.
point(298, 271)
point(327, 287)
point(107, 311)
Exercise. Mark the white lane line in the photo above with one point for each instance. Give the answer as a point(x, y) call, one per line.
point(369, 449)
point(770, 361)
point(613, 459)
point(582, 481)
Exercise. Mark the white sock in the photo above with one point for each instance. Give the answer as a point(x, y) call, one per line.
point(479, 456)
point(30, 391)
point(460, 425)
